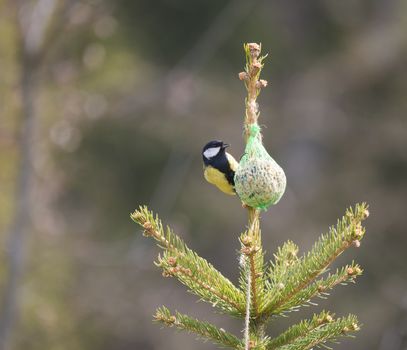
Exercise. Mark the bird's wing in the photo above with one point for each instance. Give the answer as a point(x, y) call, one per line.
point(232, 162)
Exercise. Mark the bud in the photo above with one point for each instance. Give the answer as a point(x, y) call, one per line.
point(261, 83)
point(356, 243)
point(365, 214)
point(326, 319)
point(184, 271)
point(172, 261)
point(147, 229)
point(243, 76)
point(254, 49)
point(256, 68)
point(147, 225)
point(355, 327)
point(167, 273)
point(359, 230)
point(246, 250)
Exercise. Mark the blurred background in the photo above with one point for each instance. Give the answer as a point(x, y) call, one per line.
point(105, 105)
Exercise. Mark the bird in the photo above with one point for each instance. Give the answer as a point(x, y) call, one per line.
point(219, 166)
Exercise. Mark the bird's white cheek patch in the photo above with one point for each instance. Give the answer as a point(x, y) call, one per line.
point(211, 152)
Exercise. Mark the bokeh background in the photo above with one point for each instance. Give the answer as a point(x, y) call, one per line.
point(106, 104)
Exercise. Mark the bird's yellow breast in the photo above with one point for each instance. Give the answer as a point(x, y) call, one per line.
point(217, 178)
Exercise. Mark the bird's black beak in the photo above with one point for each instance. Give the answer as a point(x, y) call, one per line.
point(225, 145)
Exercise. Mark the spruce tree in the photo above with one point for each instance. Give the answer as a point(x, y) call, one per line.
point(266, 289)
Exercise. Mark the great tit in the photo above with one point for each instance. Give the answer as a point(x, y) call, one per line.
point(219, 166)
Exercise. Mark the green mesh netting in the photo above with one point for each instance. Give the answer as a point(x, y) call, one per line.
point(259, 180)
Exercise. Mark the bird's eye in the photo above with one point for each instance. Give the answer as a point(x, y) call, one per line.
point(211, 152)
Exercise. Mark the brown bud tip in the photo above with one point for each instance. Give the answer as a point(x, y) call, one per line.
point(321, 288)
point(254, 49)
point(243, 76)
point(147, 229)
point(261, 83)
point(326, 319)
point(356, 243)
point(365, 214)
point(170, 272)
point(256, 68)
point(345, 329)
point(172, 261)
point(355, 326)
point(359, 231)
point(246, 250)
point(254, 46)
point(147, 225)
point(350, 271)
point(252, 344)
point(167, 273)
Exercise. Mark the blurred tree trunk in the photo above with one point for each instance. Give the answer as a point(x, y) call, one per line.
point(16, 249)
point(31, 25)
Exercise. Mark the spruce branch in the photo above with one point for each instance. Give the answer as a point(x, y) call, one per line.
point(196, 279)
point(300, 330)
point(204, 330)
point(348, 232)
point(246, 331)
point(253, 271)
point(316, 331)
point(320, 288)
point(253, 255)
point(284, 259)
point(192, 270)
point(251, 75)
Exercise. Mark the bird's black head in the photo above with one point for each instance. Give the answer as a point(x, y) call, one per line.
point(213, 150)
